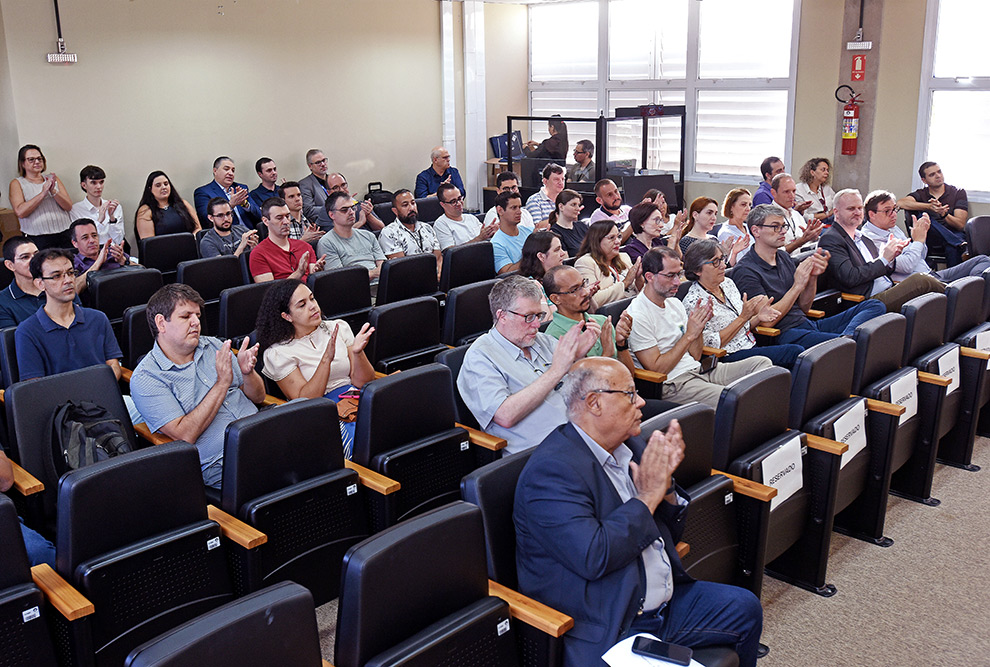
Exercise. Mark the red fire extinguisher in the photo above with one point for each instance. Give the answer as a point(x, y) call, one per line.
point(850, 121)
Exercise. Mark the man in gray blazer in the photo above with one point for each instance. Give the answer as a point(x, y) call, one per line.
point(314, 188)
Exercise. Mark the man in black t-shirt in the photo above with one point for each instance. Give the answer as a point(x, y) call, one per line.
point(946, 205)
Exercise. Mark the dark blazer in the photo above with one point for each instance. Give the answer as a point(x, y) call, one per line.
point(847, 270)
point(204, 193)
point(314, 197)
point(579, 547)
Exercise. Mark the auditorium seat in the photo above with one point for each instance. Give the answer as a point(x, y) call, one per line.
point(113, 292)
point(978, 235)
point(467, 314)
point(209, 277)
point(466, 264)
point(407, 334)
point(136, 336)
point(343, 294)
point(8, 357)
point(164, 252)
point(406, 278)
point(615, 309)
point(453, 358)
point(239, 310)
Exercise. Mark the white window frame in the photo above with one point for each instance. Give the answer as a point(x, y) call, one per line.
point(929, 85)
point(690, 85)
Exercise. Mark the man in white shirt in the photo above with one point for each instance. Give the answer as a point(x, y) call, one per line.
point(881, 211)
point(455, 227)
point(798, 236)
point(107, 214)
point(665, 339)
point(407, 235)
point(507, 181)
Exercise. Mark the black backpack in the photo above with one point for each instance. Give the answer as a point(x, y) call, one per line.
point(84, 433)
point(376, 194)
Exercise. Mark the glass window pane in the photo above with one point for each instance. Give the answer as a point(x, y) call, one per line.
point(579, 103)
point(647, 39)
point(963, 159)
point(738, 128)
point(553, 55)
point(745, 38)
point(959, 47)
point(664, 134)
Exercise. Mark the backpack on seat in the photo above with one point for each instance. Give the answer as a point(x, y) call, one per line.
point(84, 433)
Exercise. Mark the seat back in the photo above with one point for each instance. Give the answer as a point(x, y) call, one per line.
point(8, 357)
point(402, 330)
point(245, 260)
point(343, 293)
point(925, 319)
point(978, 235)
point(166, 251)
point(744, 418)
point(136, 336)
point(466, 264)
point(407, 277)
point(492, 488)
point(274, 626)
point(398, 582)
point(211, 275)
point(964, 306)
point(879, 348)
point(822, 377)
point(113, 292)
point(697, 422)
point(615, 309)
point(239, 309)
point(31, 404)
point(384, 212)
point(428, 209)
point(453, 359)
point(467, 314)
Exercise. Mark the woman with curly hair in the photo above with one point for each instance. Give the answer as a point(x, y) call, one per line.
point(815, 176)
point(601, 262)
point(308, 356)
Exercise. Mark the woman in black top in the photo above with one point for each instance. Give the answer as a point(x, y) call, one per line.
point(162, 210)
point(564, 221)
point(554, 147)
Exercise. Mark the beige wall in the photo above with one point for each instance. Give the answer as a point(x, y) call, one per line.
point(506, 64)
point(172, 85)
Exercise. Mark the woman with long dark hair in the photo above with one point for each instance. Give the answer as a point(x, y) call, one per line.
point(541, 252)
point(602, 263)
point(554, 146)
point(162, 210)
point(308, 356)
point(564, 220)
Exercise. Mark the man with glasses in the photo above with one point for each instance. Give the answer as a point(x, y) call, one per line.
point(455, 227)
point(225, 238)
point(344, 244)
point(314, 186)
point(881, 213)
point(665, 339)
point(510, 377)
point(768, 269)
point(440, 171)
point(365, 211)
point(62, 336)
point(584, 170)
point(507, 181)
point(947, 206)
point(859, 266)
point(571, 294)
point(279, 256)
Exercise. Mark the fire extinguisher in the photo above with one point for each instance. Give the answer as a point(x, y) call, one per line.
point(850, 121)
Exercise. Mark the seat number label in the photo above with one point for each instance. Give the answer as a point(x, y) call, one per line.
point(30, 614)
point(212, 543)
point(465, 445)
point(351, 489)
point(728, 497)
point(503, 627)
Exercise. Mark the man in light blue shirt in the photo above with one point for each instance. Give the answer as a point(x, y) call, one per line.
point(510, 376)
point(509, 239)
point(191, 387)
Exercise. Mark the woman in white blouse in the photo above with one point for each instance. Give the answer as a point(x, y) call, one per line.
point(733, 315)
point(41, 202)
point(815, 176)
point(308, 356)
point(734, 235)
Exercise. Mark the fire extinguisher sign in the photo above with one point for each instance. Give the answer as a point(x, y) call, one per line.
point(858, 68)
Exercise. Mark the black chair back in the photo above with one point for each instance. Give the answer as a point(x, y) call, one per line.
point(978, 235)
point(964, 306)
point(239, 310)
point(467, 314)
point(343, 294)
point(466, 264)
point(879, 348)
point(407, 334)
point(615, 309)
point(697, 422)
point(925, 318)
point(683, 288)
point(452, 359)
point(384, 212)
point(245, 262)
point(822, 377)
point(407, 277)
point(8, 357)
point(210, 277)
point(745, 418)
point(113, 292)
point(166, 251)
point(6, 276)
point(136, 336)
point(428, 209)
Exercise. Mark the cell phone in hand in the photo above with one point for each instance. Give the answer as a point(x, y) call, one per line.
point(654, 648)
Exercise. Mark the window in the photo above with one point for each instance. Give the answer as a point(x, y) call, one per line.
point(955, 93)
point(730, 62)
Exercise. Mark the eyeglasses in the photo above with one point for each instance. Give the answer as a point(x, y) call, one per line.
point(528, 319)
point(671, 276)
point(888, 211)
point(576, 288)
point(34, 159)
point(716, 261)
point(458, 200)
point(631, 394)
point(344, 209)
point(323, 161)
point(773, 228)
point(228, 214)
point(339, 188)
point(59, 275)
point(577, 152)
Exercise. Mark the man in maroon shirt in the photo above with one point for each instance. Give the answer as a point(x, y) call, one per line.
point(279, 256)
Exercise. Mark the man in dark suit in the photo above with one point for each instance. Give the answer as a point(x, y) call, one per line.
point(597, 519)
point(858, 266)
point(246, 212)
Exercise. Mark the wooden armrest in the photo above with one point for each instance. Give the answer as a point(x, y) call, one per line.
point(932, 378)
point(854, 298)
point(26, 483)
point(483, 439)
point(973, 353)
point(69, 602)
point(826, 445)
point(379, 374)
point(271, 400)
point(236, 530)
point(154, 438)
point(649, 376)
point(767, 331)
point(747, 487)
point(125, 374)
point(531, 612)
point(883, 407)
point(683, 549)
point(326, 664)
point(713, 351)
point(374, 481)
point(2, 392)
point(815, 314)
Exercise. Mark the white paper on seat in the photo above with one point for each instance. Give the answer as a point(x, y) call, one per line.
point(948, 366)
point(850, 429)
point(983, 343)
point(904, 391)
point(783, 471)
point(621, 655)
